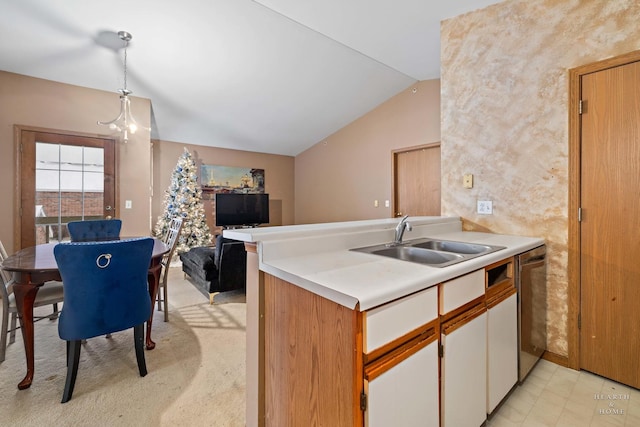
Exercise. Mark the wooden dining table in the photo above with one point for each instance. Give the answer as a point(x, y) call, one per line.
point(32, 267)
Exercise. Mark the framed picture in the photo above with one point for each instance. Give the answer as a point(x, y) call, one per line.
point(228, 179)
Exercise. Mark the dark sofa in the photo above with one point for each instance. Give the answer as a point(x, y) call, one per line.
point(219, 269)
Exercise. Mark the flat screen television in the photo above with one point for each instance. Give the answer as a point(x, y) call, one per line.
point(238, 210)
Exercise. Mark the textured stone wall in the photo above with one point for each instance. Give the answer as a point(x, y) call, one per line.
point(505, 117)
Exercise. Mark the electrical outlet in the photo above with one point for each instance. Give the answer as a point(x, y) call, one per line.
point(375, 203)
point(485, 207)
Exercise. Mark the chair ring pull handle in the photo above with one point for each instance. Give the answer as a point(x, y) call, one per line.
point(103, 260)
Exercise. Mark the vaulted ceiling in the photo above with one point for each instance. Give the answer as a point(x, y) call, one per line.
point(272, 76)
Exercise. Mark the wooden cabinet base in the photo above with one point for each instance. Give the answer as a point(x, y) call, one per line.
point(312, 350)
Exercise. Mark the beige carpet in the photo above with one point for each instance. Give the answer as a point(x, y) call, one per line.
point(196, 372)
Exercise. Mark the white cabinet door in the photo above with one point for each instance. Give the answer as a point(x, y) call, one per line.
point(464, 374)
point(502, 350)
point(407, 394)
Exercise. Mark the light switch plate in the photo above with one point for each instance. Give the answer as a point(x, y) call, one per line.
point(127, 204)
point(467, 180)
point(485, 207)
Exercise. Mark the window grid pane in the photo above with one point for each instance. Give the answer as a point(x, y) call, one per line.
point(69, 187)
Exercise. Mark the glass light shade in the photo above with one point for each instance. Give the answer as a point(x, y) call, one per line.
point(124, 122)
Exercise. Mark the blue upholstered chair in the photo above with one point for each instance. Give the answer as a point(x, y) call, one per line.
point(105, 291)
point(94, 230)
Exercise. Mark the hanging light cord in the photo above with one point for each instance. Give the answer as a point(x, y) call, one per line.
point(126, 37)
point(126, 45)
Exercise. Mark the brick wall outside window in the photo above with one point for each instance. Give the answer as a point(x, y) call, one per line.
point(71, 203)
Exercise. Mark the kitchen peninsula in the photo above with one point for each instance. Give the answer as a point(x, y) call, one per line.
point(325, 323)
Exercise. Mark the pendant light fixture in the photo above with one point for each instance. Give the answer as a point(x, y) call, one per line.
point(125, 122)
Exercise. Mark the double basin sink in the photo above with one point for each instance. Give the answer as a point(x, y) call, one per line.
point(431, 252)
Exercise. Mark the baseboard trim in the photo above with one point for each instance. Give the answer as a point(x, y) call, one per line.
point(556, 358)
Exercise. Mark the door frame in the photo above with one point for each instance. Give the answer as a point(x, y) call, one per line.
point(17, 138)
point(575, 185)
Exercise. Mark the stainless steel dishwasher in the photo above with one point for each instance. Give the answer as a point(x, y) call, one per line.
point(531, 282)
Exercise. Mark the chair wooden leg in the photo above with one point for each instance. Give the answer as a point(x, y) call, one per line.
point(138, 337)
point(73, 358)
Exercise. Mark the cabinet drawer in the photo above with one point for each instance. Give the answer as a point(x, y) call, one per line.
point(457, 292)
point(393, 320)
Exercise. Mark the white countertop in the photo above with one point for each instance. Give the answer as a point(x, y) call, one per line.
point(316, 257)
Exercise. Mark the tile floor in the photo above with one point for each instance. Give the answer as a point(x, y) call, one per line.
point(556, 396)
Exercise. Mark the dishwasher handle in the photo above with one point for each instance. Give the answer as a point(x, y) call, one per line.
point(536, 255)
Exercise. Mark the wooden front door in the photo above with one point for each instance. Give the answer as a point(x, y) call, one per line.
point(416, 181)
point(62, 178)
point(610, 224)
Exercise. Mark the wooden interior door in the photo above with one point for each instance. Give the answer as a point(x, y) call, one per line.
point(610, 224)
point(62, 178)
point(416, 181)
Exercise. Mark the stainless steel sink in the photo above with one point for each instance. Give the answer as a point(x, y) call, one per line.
point(432, 252)
point(420, 255)
point(450, 246)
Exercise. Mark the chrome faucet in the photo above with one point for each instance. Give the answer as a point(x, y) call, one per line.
point(402, 226)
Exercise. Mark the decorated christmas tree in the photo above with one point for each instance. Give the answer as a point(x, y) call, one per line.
point(184, 198)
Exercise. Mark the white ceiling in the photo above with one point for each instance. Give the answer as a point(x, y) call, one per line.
point(272, 76)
